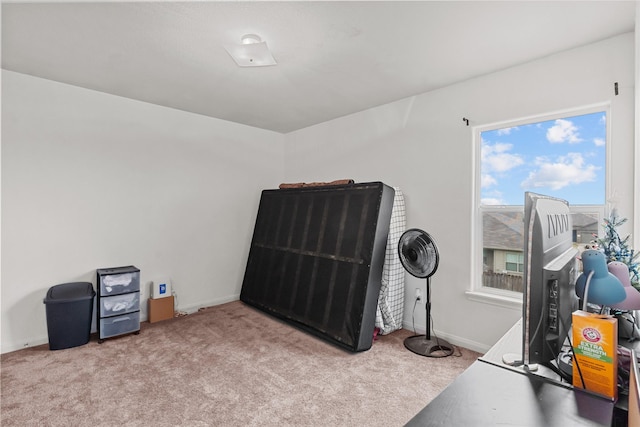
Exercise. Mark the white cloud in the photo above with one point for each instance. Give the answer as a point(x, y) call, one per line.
point(492, 197)
point(563, 131)
point(599, 142)
point(491, 201)
point(567, 170)
point(487, 180)
point(506, 131)
point(603, 119)
point(496, 158)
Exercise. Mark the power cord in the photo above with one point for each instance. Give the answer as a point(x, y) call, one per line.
point(176, 312)
point(413, 320)
point(413, 316)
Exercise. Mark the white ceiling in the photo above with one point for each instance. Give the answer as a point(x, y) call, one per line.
point(334, 58)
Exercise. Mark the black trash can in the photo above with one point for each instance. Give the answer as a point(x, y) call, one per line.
point(69, 312)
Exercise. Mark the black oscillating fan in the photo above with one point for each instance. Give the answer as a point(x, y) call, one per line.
point(419, 256)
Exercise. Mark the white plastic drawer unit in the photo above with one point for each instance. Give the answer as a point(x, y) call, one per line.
point(119, 304)
point(119, 283)
point(112, 326)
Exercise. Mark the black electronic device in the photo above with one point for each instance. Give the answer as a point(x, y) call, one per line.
point(420, 257)
point(550, 272)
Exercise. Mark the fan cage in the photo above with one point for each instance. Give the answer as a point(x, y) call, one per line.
point(418, 253)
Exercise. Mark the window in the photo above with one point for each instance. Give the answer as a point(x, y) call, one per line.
point(560, 155)
point(514, 262)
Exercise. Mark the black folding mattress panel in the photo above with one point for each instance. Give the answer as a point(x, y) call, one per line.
point(316, 259)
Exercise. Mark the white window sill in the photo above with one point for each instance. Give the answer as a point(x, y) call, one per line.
point(495, 298)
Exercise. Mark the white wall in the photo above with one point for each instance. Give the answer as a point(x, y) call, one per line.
point(91, 180)
point(422, 145)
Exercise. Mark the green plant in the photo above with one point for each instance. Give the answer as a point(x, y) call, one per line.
point(617, 249)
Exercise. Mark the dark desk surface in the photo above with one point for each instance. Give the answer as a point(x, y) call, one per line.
point(489, 395)
point(511, 342)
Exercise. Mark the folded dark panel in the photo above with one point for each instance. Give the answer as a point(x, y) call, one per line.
point(316, 259)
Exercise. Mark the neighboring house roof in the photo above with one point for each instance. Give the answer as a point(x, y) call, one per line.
point(583, 221)
point(503, 230)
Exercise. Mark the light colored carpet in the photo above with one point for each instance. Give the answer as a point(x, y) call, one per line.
point(228, 365)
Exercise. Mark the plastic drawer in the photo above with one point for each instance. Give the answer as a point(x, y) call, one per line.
point(119, 304)
point(120, 280)
point(112, 326)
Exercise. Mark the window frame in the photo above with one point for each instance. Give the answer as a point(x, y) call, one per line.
point(501, 297)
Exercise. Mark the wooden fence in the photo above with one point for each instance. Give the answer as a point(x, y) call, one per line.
point(502, 281)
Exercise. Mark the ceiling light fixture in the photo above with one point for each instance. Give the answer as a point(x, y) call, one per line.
point(250, 39)
point(251, 52)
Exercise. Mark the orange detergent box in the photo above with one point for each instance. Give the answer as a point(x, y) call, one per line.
point(595, 349)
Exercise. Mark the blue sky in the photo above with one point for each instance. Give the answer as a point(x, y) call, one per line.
point(563, 158)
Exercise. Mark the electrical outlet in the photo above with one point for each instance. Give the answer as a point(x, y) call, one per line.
point(418, 294)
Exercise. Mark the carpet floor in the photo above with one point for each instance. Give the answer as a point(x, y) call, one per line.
point(228, 365)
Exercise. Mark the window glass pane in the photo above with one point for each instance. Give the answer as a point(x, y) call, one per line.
point(564, 157)
point(585, 226)
point(503, 243)
point(511, 257)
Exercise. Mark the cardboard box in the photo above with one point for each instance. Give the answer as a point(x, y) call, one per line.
point(160, 309)
point(595, 348)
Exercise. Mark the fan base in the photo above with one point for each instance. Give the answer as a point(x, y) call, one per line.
point(419, 344)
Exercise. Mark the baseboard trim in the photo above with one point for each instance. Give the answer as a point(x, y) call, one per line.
point(32, 342)
point(144, 316)
point(192, 308)
point(453, 339)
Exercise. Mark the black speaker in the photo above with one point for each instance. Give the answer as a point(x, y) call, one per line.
point(316, 259)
